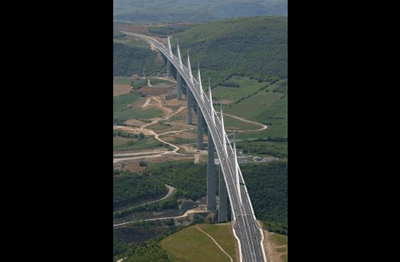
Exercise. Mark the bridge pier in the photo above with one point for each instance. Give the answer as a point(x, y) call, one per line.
point(179, 80)
point(189, 104)
point(211, 187)
point(199, 128)
point(169, 73)
point(223, 198)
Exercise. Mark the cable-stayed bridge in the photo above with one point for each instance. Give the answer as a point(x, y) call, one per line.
point(246, 229)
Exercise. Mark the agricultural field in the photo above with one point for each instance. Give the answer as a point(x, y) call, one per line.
point(269, 108)
point(231, 123)
point(246, 86)
point(124, 108)
point(123, 144)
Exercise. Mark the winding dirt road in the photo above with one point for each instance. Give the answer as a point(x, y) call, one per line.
point(149, 132)
point(263, 127)
point(169, 113)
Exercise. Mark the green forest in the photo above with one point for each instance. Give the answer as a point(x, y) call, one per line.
point(130, 59)
point(151, 250)
point(253, 46)
point(267, 187)
point(130, 189)
point(266, 184)
point(268, 147)
point(184, 175)
point(141, 243)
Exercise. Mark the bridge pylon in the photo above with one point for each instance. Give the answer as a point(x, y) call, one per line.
point(199, 80)
point(179, 54)
point(189, 68)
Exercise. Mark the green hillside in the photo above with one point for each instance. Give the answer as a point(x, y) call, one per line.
point(135, 57)
point(131, 189)
point(140, 11)
point(253, 46)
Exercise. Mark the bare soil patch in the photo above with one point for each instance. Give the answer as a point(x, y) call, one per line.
point(224, 102)
point(168, 138)
point(134, 122)
point(134, 130)
point(154, 91)
point(168, 158)
point(187, 135)
point(155, 151)
point(175, 102)
point(271, 249)
point(164, 85)
point(121, 89)
point(130, 165)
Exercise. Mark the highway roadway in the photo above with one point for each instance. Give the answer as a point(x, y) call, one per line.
point(246, 228)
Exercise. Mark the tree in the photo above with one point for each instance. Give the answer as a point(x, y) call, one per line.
point(141, 136)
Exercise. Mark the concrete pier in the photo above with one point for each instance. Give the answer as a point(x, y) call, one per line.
point(179, 81)
point(223, 198)
point(189, 103)
point(211, 187)
point(169, 71)
point(199, 128)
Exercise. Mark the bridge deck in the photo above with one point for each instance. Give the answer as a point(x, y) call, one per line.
point(246, 229)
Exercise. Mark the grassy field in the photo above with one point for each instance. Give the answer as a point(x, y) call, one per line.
point(269, 108)
point(233, 123)
point(190, 244)
point(122, 143)
point(278, 239)
point(246, 86)
point(159, 126)
point(123, 81)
